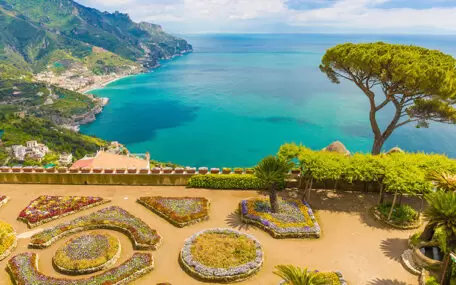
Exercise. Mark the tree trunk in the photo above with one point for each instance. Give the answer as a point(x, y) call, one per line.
point(274, 200)
point(309, 190)
point(421, 207)
point(378, 144)
point(304, 191)
point(392, 206)
point(382, 195)
point(446, 271)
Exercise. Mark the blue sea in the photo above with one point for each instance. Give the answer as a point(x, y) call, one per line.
point(237, 98)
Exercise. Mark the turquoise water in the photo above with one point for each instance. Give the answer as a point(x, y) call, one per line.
point(237, 98)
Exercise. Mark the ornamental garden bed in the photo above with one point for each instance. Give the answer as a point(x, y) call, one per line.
point(113, 218)
point(47, 208)
point(330, 278)
point(404, 217)
point(87, 253)
point(221, 255)
point(178, 211)
point(23, 269)
point(295, 219)
point(8, 241)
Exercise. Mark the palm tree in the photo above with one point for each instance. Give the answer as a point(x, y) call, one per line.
point(441, 215)
point(293, 275)
point(272, 172)
point(443, 181)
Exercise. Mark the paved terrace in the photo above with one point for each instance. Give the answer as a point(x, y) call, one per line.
point(352, 242)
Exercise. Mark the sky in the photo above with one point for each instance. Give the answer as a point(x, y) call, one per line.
point(290, 16)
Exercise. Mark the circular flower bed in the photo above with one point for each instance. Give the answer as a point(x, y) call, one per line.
point(403, 217)
point(87, 253)
point(221, 255)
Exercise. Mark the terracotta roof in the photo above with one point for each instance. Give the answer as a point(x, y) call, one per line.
point(83, 163)
point(338, 147)
point(110, 160)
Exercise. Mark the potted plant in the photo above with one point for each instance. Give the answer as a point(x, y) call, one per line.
point(168, 170)
point(190, 170)
point(226, 170)
point(109, 170)
point(295, 171)
point(120, 170)
point(238, 170)
point(144, 171)
point(132, 170)
point(62, 169)
point(215, 170)
point(179, 170)
point(97, 170)
point(86, 170)
point(156, 170)
point(74, 170)
point(203, 170)
point(249, 171)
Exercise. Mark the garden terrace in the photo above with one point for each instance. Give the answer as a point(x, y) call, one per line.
point(24, 271)
point(87, 253)
point(179, 211)
point(48, 208)
point(221, 255)
point(115, 218)
point(295, 219)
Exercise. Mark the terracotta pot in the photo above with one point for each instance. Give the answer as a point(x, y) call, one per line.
point(120, 171)
point(97, 170)
point(50, 170)
point(39, 170)
point(156, 170)
point(74, 170)
point(27, 170)
point(167, 170)
point(190, 170)
point(179, 170)
point(215, 170)
point(203, 170)
point(86, 170)
point(239, 171)
point(109, 170)
point(62, 170)
point(296, 171)
point(144, 171)
point(226, 171)
point(132, 170)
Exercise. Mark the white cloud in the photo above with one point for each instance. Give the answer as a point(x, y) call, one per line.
point(238, 15)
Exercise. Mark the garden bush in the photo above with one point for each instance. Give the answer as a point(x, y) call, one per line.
point(228, 181)
point(402, 214)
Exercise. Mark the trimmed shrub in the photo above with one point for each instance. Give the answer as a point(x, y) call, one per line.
point(228, 181)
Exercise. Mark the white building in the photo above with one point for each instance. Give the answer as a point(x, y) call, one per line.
point(19, 152)
point(65, 158)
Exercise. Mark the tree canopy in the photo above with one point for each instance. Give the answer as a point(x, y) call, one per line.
point(419, 83)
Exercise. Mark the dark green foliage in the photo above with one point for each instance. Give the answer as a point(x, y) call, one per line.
point(402, 214)
point(225, 181)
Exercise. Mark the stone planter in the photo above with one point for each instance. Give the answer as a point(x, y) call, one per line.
point(422, 260)
point(167, 170)
point(109, 171)
point(226, 170)
point(190, 170)
point(156, 170)
point(179, 170)
point(16, 169)
point(86, 170)
point(132, 170)
point(97, 170)
point(74, 170)
point(62, 170)
point(39, 170)
point(27, 169)
point(215, 170)
point(144, 171)
point(120, 170)
point(50, 170)
point(203, 170)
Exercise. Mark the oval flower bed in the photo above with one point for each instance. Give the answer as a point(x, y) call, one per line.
point(404, 217)
point(295, 219)
point(8, 240)
point(330, 278)
point(87, 253)
point(113, 218)
point(221, 255)
point(178, 211)
point(23, 269)
point(47, 208)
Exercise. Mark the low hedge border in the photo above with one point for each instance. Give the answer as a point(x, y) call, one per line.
point(171, 220)
point(225, 181)
point(378, 217)
point(34, 225)
point(88, 270)
point(315, 234)
point(193, 267)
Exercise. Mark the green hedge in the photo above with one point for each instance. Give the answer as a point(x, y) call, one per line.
point(225, 181)
point(401, 172)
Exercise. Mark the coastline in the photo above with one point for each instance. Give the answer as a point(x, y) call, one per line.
point(104, 83)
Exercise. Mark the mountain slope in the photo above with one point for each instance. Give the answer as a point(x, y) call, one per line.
point(65, 24)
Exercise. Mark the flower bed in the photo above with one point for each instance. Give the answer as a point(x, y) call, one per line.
point(3, 200)
point(114, 218)
point(221, 255)
point(404, 217)
point(180, 212)
point(23, 269)
point(331, 278)
point(87, 253)
point(48, 208)
point(295, 220)
point(8, 240)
